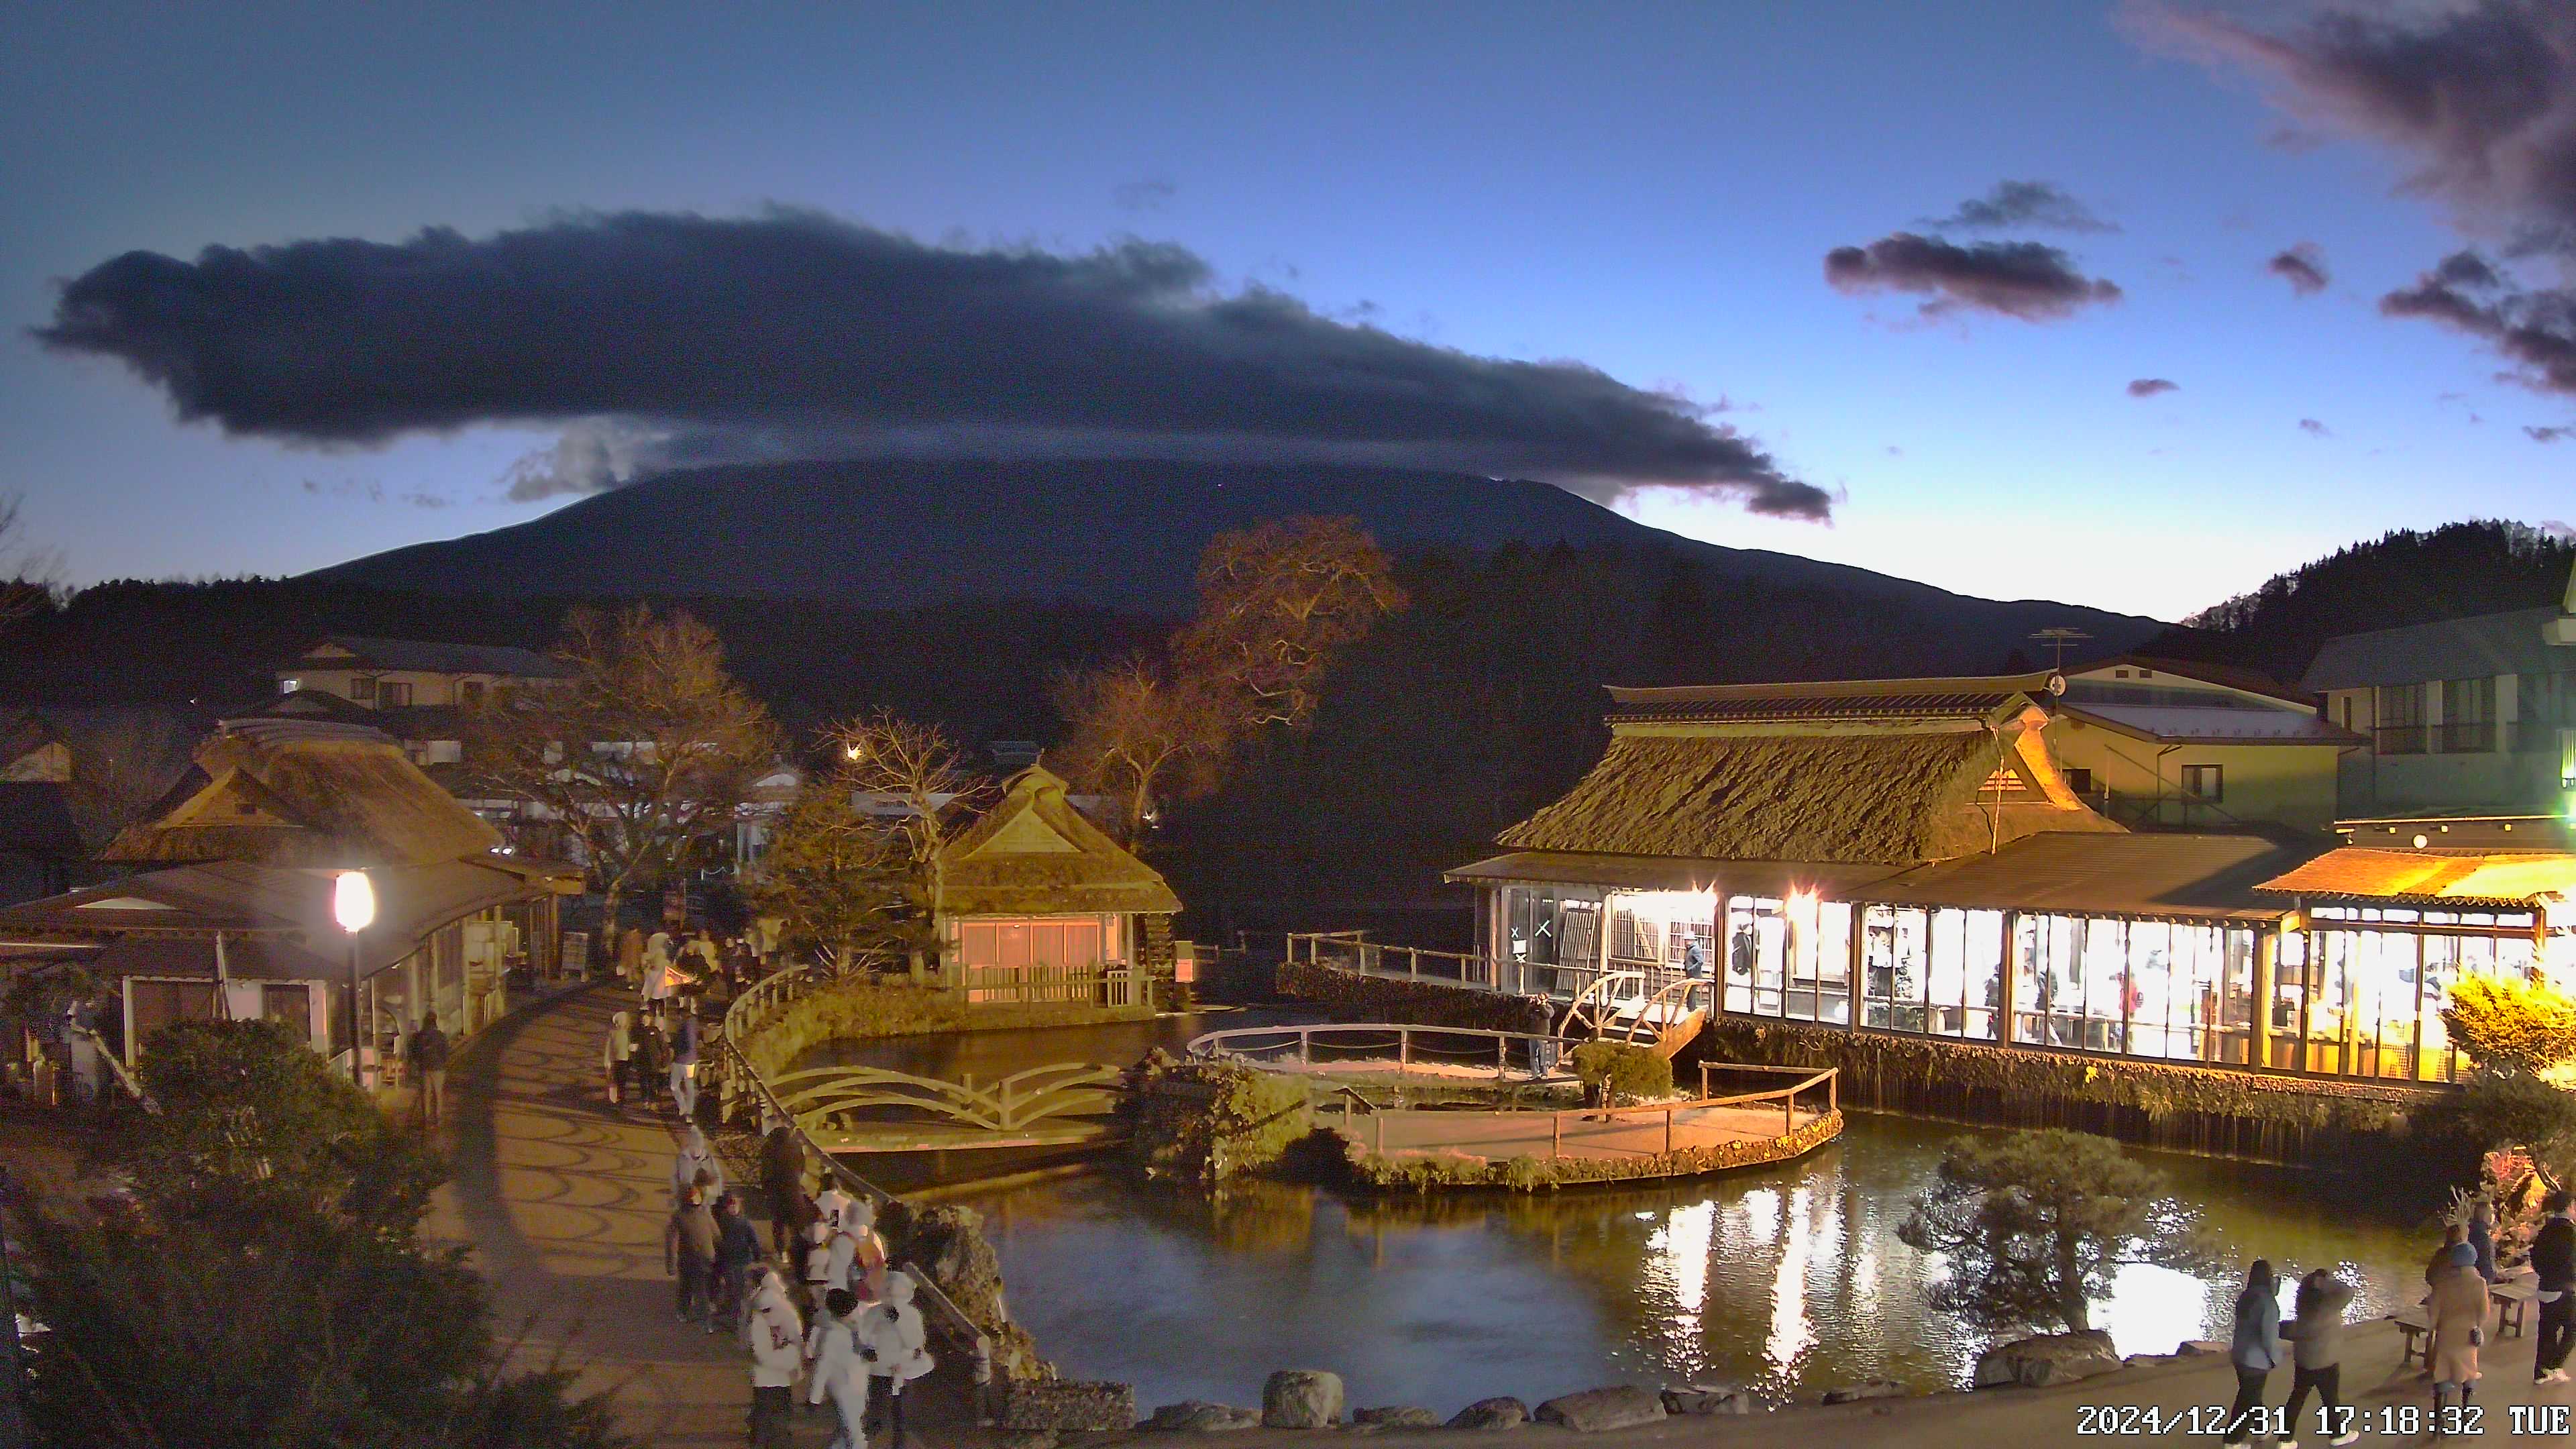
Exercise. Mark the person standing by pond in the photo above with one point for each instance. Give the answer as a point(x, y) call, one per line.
point(689, 1250)
point(2256, 1350)
point(737, 1253)
point(2315, 1331)
point(2553, 1264)
point(2458, 1310)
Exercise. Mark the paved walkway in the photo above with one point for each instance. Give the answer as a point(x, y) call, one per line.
point(562, 1199)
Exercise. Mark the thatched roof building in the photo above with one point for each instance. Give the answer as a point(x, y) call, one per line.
point(306, 793)
point(1034, 854)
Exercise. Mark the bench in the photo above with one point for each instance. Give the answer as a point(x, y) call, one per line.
point(2513, 1299)
point(2415, 1332)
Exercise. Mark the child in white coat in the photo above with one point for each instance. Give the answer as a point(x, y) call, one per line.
point(836, 1371)
point(775, 1333)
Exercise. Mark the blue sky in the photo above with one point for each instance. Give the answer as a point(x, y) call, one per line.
point(1648, 189)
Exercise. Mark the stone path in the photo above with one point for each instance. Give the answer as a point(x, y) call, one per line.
point(562, 1199)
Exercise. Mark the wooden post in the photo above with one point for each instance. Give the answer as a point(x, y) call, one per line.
point(1378, 1119)
point(1305, 1047)
point(1856, 973)
point(1403, 1046)
point(1555, 1135)
point(2008, 994)
point(2267, 957)
point(1502, 1056)
point(1668, 1131)
point(1834, 1092)
point(1789, 1112)
point(1413, 959)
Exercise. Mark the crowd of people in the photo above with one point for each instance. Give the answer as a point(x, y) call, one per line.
point(819, 1303)
point(2457, 1300)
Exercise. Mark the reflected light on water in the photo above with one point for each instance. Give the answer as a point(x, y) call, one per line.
point(1791, 1333)
point(2151, 1309)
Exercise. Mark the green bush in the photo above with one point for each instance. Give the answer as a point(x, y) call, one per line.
point(1199, 1123)
point(1623, 1072)
point(2510, 1025)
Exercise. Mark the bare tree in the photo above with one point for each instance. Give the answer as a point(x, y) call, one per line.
point(1141, 735)
point(918, 782)
point(1275, 601)
point(30, 578)
point(834, 877)
point(648, 749)
point(121, 768)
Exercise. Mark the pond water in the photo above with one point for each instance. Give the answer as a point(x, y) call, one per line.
point(1783, 1279)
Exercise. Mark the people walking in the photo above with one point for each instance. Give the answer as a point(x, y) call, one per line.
point(893, 1341)
point(2553, 1265)
point(737, 1255)
point(2256, 1349)
point(814, 1263)
point(775, 1333)
point(684, 1062)
point(834, 1203)
point(689, 1251)
point(834, 1370)
point(693, 1160)
point(782, 1179)
point(2482, 1235)
point(2457, 1309)
point(427, 1056)
point(2315, 1332)
point(615, 1054)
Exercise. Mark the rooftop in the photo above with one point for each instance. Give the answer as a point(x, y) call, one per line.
point(2193, 724)
point(425, 656)
point(2483, 644)
point(2519, 878)
point(1966, 697)
point(2143, 874)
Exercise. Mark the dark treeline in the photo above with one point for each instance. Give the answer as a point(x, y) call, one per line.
point(979, 669)
point(2407, 576)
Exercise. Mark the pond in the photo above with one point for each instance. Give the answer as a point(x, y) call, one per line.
point(1783, 1279)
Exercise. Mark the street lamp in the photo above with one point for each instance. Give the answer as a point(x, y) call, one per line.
point(353, 905)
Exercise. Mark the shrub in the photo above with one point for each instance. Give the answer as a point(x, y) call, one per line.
point(2510, 1025)
point(2034, 1225)
point(1224, 1118)
point(1623, 1071)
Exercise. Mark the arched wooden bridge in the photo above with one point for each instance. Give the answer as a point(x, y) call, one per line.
point(872, 1109)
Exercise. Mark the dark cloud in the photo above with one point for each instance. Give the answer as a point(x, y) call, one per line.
point(669, 339)
point(2315, 429)
point(2018, 279)
point(2302, 266)
point(2536, 328)
point(2549, 435)
point(1151, 193)
point(2481, 97)
point(2150, 386)
point(2021, 203)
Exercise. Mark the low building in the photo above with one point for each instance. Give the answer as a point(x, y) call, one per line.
point(1906, 857)
point(2464, 716)
point(400, 673)
point(228, 908)
point(2169, 744)
point(1037, 905)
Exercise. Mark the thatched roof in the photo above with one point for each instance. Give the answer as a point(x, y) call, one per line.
point(1035, 855)
point(1886, 796)
point(2519, 878)
point(299, 793)
point(2149, 873)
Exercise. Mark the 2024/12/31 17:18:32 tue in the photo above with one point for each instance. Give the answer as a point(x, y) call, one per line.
point(2390, 1420)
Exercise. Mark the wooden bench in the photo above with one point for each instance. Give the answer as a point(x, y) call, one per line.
point(2415, 1332)
point(2513, 1299)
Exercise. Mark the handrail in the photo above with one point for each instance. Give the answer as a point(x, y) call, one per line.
point(1684, 985)
point(116, 1067)
point(832, 1167)
point(1605, 979)
point(1211, 1044)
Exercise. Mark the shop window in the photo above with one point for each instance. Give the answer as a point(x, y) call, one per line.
point(1893, 961)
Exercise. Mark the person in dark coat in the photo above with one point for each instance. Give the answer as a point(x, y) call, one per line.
point(2553, 1265)
point(737, 1253)
point(782, 1176)
point(428, 1049)
point(2315, 1332)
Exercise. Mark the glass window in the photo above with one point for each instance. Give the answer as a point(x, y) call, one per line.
point(2206, 782)
point(1985, 983)
point(2047, 990)
point(2105, 975)
point(1833, 962)
point(1894, 952)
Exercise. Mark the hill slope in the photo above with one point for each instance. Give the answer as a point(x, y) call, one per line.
point(1115, 535)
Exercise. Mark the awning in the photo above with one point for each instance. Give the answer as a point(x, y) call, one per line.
point(1669, 873)
point(2492, 878)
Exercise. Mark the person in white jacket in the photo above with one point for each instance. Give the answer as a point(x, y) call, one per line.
point(833, 1203)
point(775, 1334)
point(693, 1158)
point(893, 1341)
point(835, 1371)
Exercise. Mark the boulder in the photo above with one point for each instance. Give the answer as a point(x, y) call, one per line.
point(1504, 1413)
point(2047, 1358)
point(2195, 1347)
point(1867, 1389)
point(1064, 1405)
point(1595, 1410)
point(1202, 1417)
point(1396, 1418)
point(1301, 1399)
point(1705, 1399)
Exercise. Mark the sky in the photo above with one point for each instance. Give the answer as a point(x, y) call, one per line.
point(1992, 295)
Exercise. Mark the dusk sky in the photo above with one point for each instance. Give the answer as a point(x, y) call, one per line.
point(2183, 327)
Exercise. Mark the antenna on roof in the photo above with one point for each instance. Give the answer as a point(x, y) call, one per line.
point(2057, 640)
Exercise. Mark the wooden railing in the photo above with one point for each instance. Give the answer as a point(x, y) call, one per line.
point(1540, 1055)
point(1352, 951)
point(1012, 1106)
point(1109, 985)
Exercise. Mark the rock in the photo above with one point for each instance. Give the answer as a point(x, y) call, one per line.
point(2195, 1347)
point(1397, 1418)
point(1301, 1399)
point(2047, 1358)
point(1063, 1405)
point(1595, 1410)
point(1868, 1389)
point(1705, 1399)
point(1039, 1439)
point(1200, 1416)
point(1504, 1413)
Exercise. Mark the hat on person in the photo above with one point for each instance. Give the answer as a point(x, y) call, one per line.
point(2462, 1255)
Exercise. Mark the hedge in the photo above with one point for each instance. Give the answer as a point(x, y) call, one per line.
point(1413, 1003)
point(854, 1009)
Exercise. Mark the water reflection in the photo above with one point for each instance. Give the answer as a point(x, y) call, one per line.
point(1780, 1279)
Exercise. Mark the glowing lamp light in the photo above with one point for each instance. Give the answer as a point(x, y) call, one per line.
point(2421, 842)
point(353, 901)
